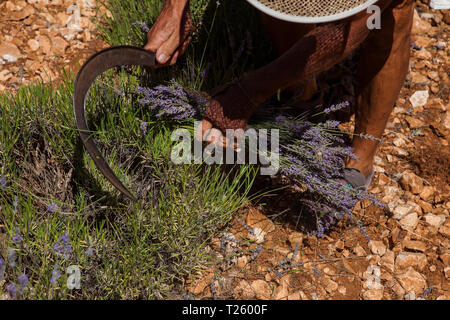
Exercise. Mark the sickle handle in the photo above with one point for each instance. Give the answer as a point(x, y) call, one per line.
point(93, 67)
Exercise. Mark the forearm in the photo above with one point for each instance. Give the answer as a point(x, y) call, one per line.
point(318, 51)
point(178, 6)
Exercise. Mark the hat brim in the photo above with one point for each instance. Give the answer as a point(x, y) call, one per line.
point(310, 19)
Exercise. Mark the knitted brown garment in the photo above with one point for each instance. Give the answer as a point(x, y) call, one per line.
point(319, 50)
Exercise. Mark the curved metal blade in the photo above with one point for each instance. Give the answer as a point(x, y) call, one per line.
point(94, 66)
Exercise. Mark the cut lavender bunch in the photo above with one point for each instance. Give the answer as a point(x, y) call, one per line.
point(313, 155)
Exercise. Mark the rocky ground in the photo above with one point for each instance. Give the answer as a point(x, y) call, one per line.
point(40, 36)
point(399, 252)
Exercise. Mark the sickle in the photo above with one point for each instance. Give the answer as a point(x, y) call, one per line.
point(93, 67)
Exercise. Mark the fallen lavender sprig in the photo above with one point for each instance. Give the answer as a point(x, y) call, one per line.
point(143, 25)
point(415, 46)
point(255, 252)
point(245, 225)
point(336, 107)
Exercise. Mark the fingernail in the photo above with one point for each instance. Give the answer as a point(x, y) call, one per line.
point(162, 58)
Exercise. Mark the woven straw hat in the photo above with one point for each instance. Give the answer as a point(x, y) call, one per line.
point(311, 11)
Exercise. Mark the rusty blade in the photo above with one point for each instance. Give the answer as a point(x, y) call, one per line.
point(93, 67)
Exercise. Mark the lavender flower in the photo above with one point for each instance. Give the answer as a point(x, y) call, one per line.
point(62, 246)
point(52, 207)
point(2, 269)
point(11, 289)
point(239, 52)
point(336, 107)
point(439, 46)
point(2, 182)
point(143, 25)
point(143, 127)
point(205, 71)
point(55, 275)
point(426, 292)
point(12, 257)
point(370, 137)
point(89, 252)
point(256, 253)
point(363, 231)
point(17, 238)
point(249, 40)
point(415, 46)
point(23, 280)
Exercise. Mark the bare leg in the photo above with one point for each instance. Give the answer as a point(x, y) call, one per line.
point(382, 70)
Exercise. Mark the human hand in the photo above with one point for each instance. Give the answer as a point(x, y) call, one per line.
point(229, 108)
point(171, 33)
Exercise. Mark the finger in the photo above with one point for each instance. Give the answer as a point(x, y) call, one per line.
point(215, 137)
point(179, 51)
point(167, 49)
point(201, 129)
point(155, 38)
point(171, 62)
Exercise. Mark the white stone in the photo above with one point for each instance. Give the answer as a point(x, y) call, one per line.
point(405, 260)
point(419, 98)
point(412, 281)
point(373, 294)
point(447, 120)
point(434, 220)
point(33, 44)
point(410, 221)
point(9, 52)
point(258, 235)
point(377, 247)
point(401, 211)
